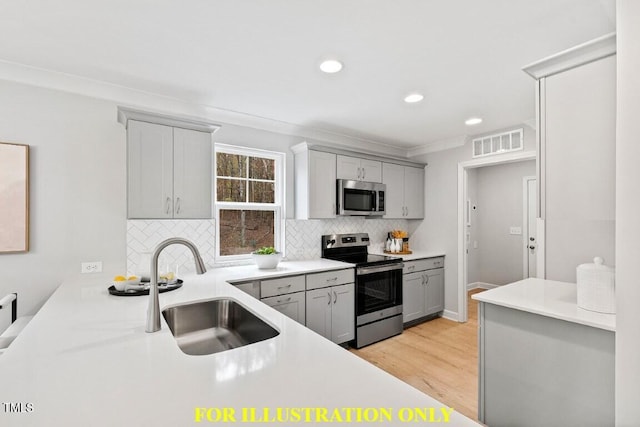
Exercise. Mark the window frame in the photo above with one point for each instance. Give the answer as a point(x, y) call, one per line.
point(277, 206)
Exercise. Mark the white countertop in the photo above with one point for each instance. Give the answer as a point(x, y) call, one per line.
point(86, 360)
point(547, 298)
point(414, 255)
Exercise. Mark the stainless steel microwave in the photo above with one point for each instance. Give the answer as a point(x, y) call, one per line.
point(359, 197)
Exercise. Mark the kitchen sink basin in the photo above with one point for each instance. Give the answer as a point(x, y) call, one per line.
point(212, 326)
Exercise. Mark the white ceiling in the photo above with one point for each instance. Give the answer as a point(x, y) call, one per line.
point(260, 57)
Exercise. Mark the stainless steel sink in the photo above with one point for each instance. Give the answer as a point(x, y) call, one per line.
point(216, 325)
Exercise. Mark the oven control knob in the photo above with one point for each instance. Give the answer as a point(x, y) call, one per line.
point(331, 242)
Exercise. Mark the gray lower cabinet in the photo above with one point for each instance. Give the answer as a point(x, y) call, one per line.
point(422, 289)
point(291, 305)
point(331, 312)
point(285, 294)
point(536, 370)
point(324, 302)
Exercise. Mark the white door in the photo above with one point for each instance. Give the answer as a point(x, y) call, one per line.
point(530, 236)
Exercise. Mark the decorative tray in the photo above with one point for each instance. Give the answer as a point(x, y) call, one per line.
point(398, 253)
point(163, 287)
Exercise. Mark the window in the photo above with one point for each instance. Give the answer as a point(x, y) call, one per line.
point(248, 195)
point(498, 143)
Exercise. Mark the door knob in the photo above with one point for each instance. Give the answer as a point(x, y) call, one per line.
point(533, 239)
point(532, 247)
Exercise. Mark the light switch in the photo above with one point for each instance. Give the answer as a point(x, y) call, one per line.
point(515, 230)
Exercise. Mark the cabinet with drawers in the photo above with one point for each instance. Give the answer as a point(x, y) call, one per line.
point(422, 289)
point(287, 295)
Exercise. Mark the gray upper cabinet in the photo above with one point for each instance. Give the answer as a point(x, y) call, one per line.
point(356, 169)
point(405, 191)
point(168, 171)
point(315, 184)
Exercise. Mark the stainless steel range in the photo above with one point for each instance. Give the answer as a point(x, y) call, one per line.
point(378, 286)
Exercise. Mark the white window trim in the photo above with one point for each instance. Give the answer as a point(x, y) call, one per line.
point(277, 206)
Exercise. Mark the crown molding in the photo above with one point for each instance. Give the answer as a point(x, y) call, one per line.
point(445, 144)
point(135, 99)
point(306, 145)
point(574, 57)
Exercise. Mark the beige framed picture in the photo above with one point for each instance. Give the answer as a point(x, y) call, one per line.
point(14, 198)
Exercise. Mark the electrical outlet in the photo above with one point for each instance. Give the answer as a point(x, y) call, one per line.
point(515, 230)
point(91, 267)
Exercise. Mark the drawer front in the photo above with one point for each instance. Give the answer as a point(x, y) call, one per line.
point(422, 264)
point(330, 278)
point(281, 286)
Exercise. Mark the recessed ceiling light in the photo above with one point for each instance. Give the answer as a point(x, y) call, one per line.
point(473, 121)
point(331, 66)
point(413, 98)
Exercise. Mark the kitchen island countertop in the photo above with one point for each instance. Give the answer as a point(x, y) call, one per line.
point(85, 359)
point(547, 298)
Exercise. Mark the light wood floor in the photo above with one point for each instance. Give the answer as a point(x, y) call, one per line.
point(439, 357)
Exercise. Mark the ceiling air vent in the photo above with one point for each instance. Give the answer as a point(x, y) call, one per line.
point(498, 143)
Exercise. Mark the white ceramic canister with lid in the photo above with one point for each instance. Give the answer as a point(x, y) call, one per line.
point(596, 287)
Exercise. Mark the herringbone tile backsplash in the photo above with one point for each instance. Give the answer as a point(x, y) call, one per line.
point(302, 239)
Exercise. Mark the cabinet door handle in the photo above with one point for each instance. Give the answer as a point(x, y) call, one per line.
point(359, 173)
point(283, 287)
point(281, 301)
point(423, 279)
point(335, 297)
point(333, 279)
point(178, 205)
point(411, 268)
point(407, 210)
point(329, 294)
point(168, 211)
point(364, 172)
point(427, 276)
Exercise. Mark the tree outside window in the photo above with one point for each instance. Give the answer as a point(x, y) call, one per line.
point(248, 203)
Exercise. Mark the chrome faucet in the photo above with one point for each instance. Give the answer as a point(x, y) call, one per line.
point(153, 312)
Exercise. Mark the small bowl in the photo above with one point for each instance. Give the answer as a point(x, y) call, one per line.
point(120, 285)
point(125, 285)
point(265, 262)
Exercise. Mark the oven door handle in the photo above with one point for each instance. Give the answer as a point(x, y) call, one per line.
point(361, 271)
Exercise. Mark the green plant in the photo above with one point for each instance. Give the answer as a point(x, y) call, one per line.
point(265, 250)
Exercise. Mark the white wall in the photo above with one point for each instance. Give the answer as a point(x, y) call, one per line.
point(439, 229)
point(579, 166)
point(499, 207)
point(627, 217)
point(77, 188)
point(78, 182)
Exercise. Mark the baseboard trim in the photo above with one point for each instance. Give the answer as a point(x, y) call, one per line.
point(450, 315)
point(480, 285)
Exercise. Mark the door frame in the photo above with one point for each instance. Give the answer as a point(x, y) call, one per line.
point(525, 224)
point(463, 176)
